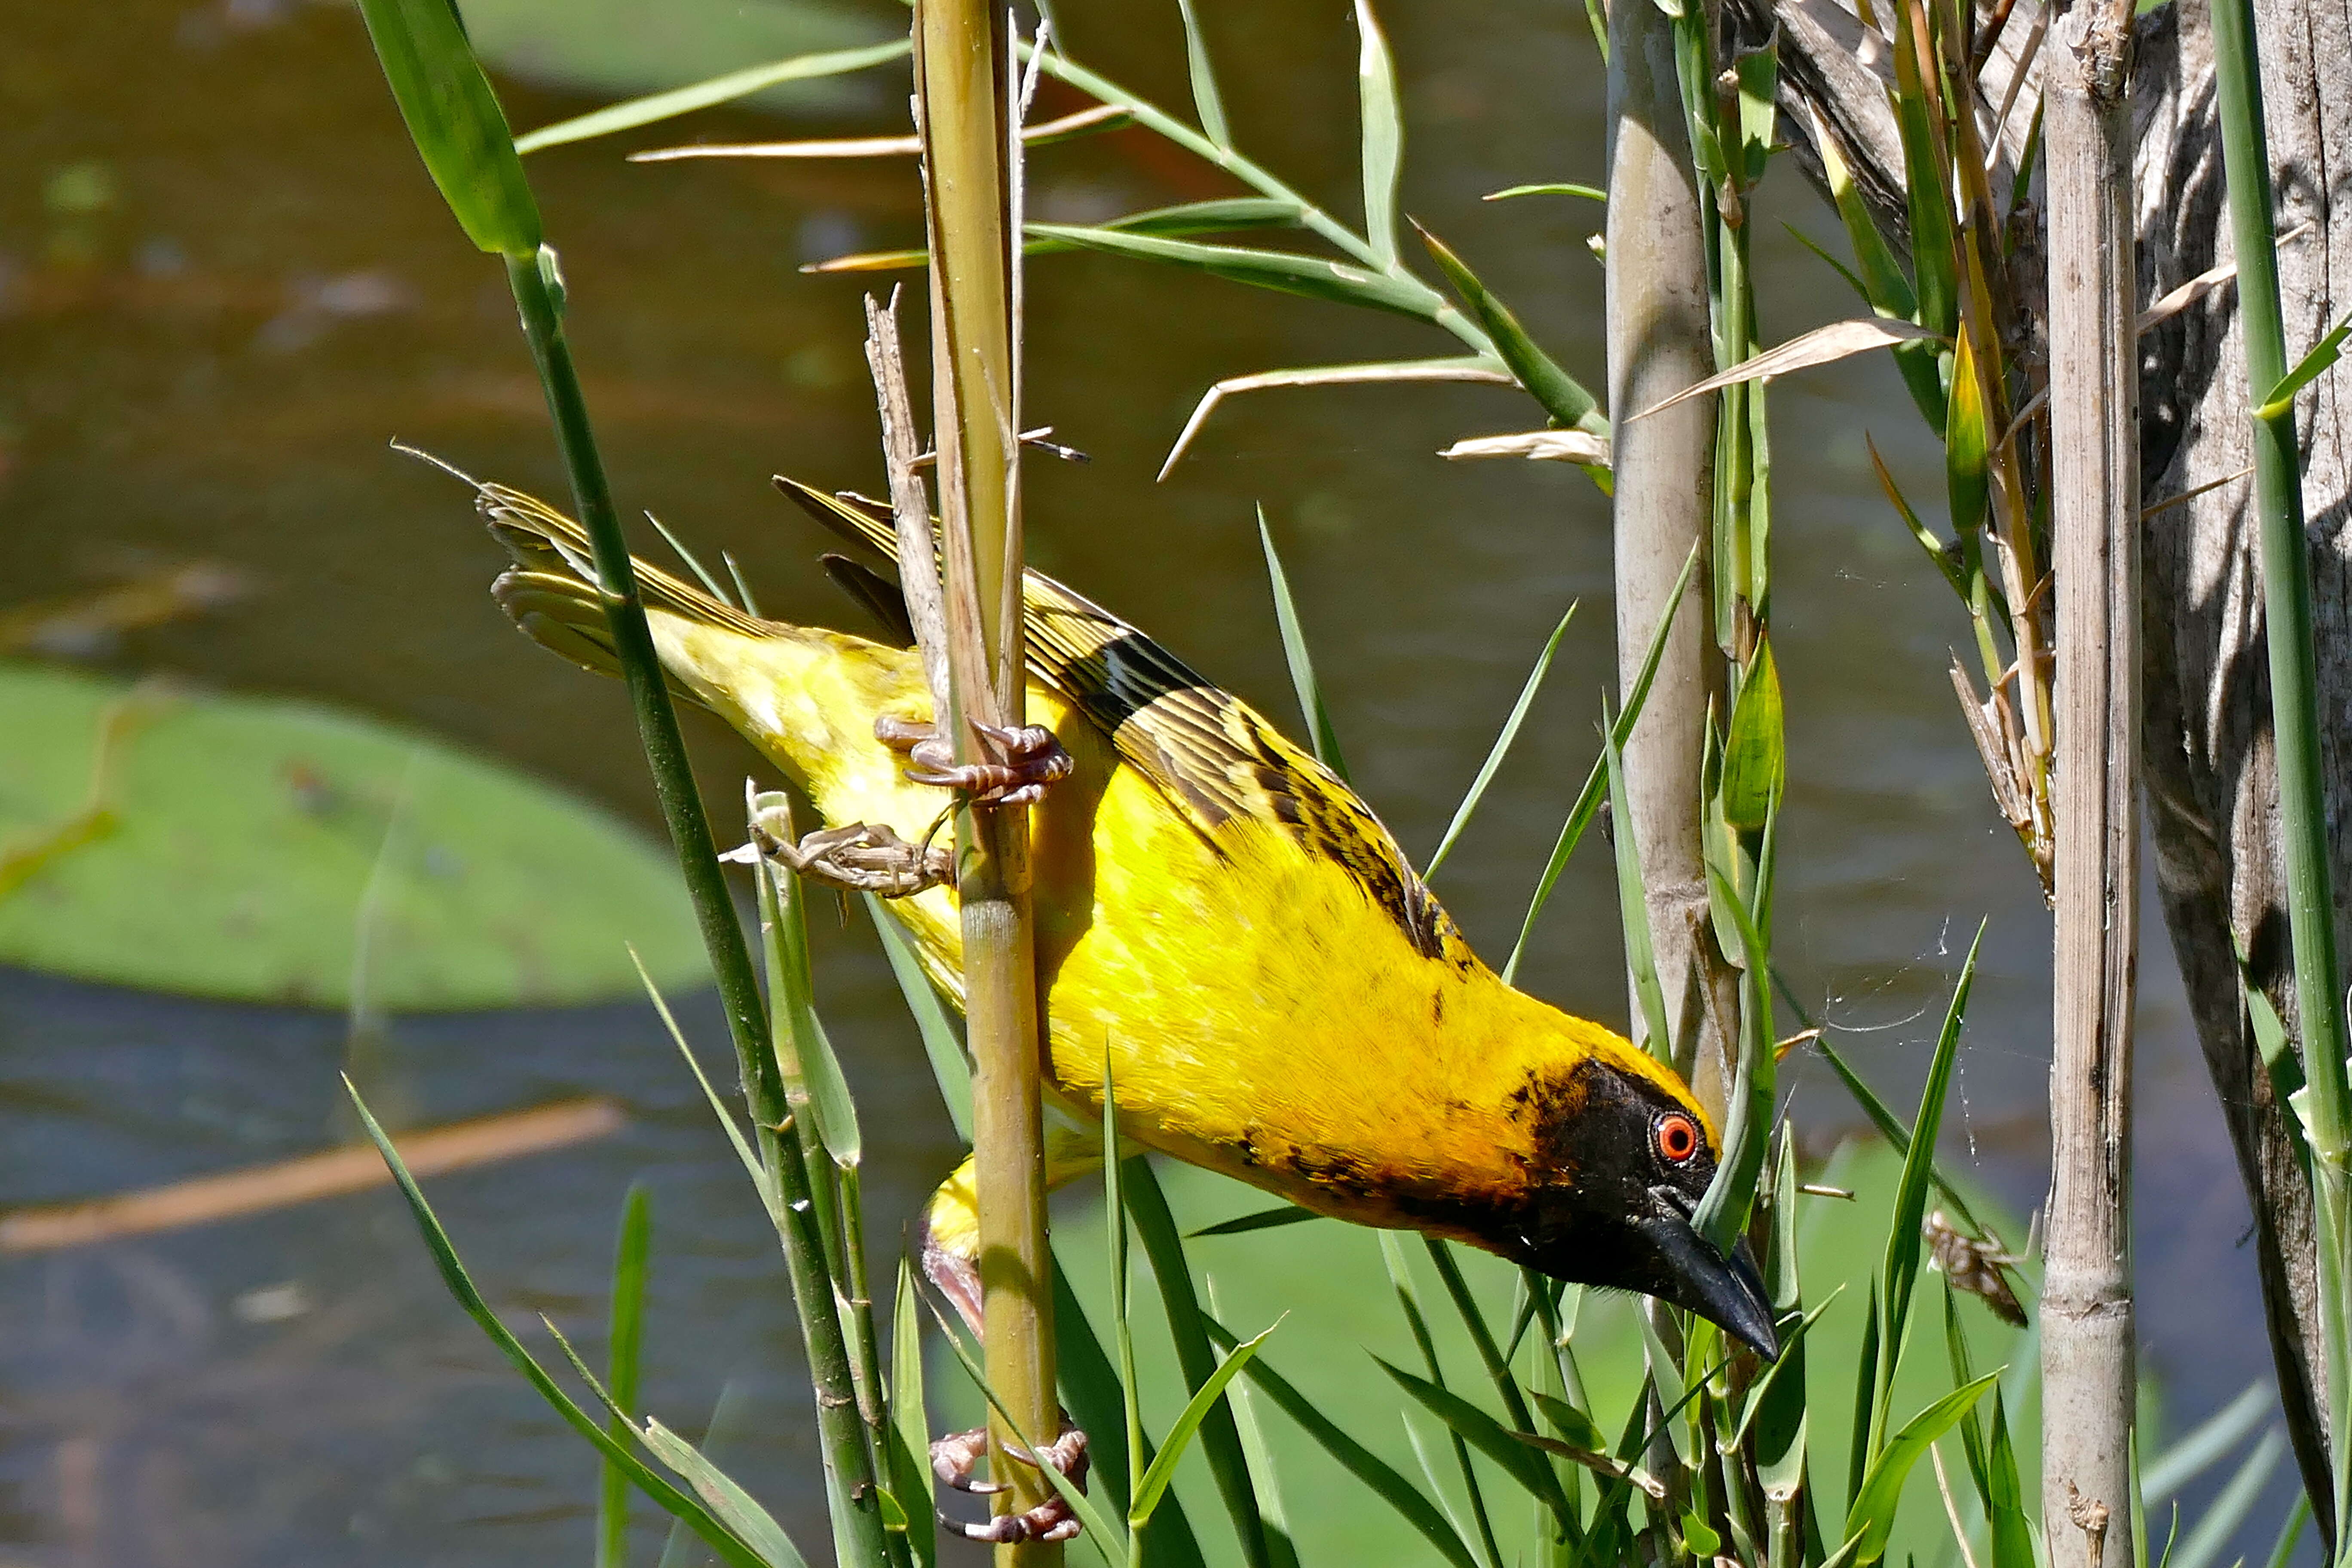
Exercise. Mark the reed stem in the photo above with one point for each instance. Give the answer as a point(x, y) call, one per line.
point(2088, 1351)
point(962, 71)
point(2295, 716)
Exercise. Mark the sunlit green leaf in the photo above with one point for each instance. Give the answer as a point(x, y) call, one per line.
point(1755, 759)
point(1204, 1398)
point(1502, 746)
point(1968, 444)
point(1261, 1219)
point(1522, 1463)
point(2324, 354)
point(625, 1343)
point(1902, 1267)
point(1557, 188)
point(460, 1285)
point(1286, 272)
point(708, 94)
point(455, 120)
point(1382, 130)
point(1311, 707)
point(1871, 1517)
point(1385, 1480)
point(1206, 103)
point(907, 1440)
point(1567, 403)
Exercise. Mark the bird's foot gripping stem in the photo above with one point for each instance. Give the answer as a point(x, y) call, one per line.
point(865, 858)
point(1025, 759)
point(953, 1460)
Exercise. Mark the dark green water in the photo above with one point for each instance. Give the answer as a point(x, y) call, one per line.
point(225, 285)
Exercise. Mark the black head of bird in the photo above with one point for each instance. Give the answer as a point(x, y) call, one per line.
point(1622, 1165)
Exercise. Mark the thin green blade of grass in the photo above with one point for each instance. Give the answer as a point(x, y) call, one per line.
point(1285, 272)
point(1263, 1219)
point(1722, 1212)
point(1111, 1542)
point(1866, 1384)
point(2202, 1446)
point(1562, 397)
point(693, 561)
point(909, 1436)
point(2012, 1537)
point(2290, 1534)
point(460, 1285)
point(1501, 748)
point(1589, 799)
point(1632, 904)
point(2233, 1506)
point(1259, 1452)
point(1384, 1481)
point(803, 1051)
point(1154, 1481)
point(1522, 1463)
point(1302, 662)
point(1482, 1338)
point(1421, 1457)
point(1671, 1387)
point(1382, 128)
point(1871, 1517)
point(1206, 103)
point(1408, 1295)
point(743, 589)
point(1222, 215)
point(760, 1183)
point(711, 93)
point(454, 119)
point(2280, 402)
point(1755, 756)
point(1221, 1442)
point(1092, 1392)
point(1900, 1269)
point(725, 1497)
point(1115, 1223)
point(950, 1066)
point(623, 1358)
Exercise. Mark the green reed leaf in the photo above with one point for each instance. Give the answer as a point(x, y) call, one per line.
point(454, 119)
point(1261, 1219)
point(1561, 395)
point(1386, 1482)
point(711, 93)
point(907, 1440)
point(1968, 445)
point(460, 1285)
point(1755, 756)
point(1632, 904)
point(623, 1357)
point(1311, 277)
point(1206, 103)
point(1501, 748)
point(1147, 1492)
point(1302, 663)
point(1871, 1517)
point(1901, 1270)
point(1522, 1463)
point(1383, 129)
point(2324, 354)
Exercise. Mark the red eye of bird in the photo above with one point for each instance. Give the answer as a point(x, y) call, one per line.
point(1677, 1136)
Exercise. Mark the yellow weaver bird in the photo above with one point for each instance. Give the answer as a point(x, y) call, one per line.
point(1280, 996)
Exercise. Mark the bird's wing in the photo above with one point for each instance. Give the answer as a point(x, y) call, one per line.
point(1214, 758)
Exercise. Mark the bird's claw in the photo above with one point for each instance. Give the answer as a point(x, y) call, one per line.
point(866, 857)
point(869, 858)
point(952, 1458)
point(1027, 757)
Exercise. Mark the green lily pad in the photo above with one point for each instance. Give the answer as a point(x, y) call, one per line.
point(618, 48)
point(263, 849)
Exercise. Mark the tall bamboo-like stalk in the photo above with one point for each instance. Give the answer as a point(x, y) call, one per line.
point(1659, 341)
point(2087, 1339)
point(961, 79)
point(2321, 1105)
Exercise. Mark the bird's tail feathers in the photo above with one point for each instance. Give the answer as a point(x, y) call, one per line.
point(551, 594)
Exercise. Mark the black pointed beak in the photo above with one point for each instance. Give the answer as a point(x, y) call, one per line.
point(1723, 1290)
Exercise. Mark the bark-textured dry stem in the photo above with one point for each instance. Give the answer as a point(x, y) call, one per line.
point(2087, 1341)
point(1659, 344)
point(2210, 772)
point(960, 55)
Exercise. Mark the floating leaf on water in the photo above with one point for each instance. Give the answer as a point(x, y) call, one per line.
point(269, 850)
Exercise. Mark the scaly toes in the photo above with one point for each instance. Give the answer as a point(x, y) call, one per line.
point(953, 1460)
point(1030, 759)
